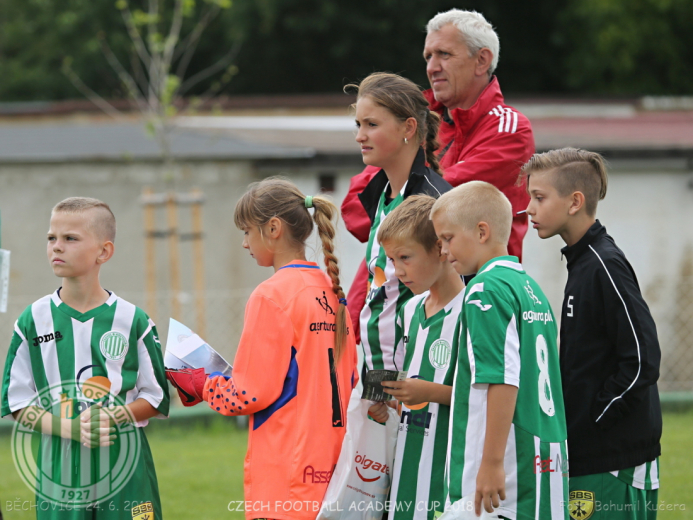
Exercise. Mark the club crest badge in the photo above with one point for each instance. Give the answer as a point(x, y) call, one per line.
point(144, 511)
point(439, 354)
point(581, 505)
point(113, 345)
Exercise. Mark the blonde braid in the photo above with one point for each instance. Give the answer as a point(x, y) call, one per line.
point(325, 210)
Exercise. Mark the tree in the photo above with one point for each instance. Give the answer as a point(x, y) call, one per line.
point(319, 45)
point(629, 47)
point(157, 77)
point(614, 47)
point(289, 46)
point(35, 35)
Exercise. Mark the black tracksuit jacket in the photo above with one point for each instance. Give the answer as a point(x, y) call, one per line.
point(422, 181)
point(609, 356)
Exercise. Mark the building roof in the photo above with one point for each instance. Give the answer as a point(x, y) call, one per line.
point(60, 141)
point(624, 129)
point(657, 133)
point(612, 129)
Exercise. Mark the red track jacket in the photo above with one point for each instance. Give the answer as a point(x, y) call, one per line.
point(488, 142)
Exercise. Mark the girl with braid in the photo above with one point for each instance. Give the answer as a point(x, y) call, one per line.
point(295, 366)
point(397, 133)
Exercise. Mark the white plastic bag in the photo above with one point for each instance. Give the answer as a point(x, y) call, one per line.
point(361, 480)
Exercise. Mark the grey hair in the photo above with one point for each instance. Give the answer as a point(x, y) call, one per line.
point(476, 32)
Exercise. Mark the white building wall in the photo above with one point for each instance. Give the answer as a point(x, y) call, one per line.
point(648, 210)
point(28, 192)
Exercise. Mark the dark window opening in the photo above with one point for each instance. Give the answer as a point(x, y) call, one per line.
point(327, 182)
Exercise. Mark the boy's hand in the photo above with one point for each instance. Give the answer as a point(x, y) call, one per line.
point(378, 412)
point(490, 487)
point(490, 481)
point(96, 427)
point(411, 391)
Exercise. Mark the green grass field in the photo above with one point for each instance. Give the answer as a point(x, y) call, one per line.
point(200, 470)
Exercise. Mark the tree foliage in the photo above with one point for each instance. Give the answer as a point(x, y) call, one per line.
point(319, 45)
point(630, 47)
point(626, 47)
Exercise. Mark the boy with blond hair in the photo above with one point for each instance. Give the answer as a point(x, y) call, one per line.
point(85, 370)
point(507, 448)
point(426, 325)
point(609, 349)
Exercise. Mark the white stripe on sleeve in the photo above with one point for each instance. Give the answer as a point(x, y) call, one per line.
point(22, 388)
point(637, 342)
point(472, 362)
point(512, 354)
point(509, 119)
point(147, 386)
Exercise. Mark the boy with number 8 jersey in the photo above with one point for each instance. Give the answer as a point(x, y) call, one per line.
point(428, 322)
point(507, 450)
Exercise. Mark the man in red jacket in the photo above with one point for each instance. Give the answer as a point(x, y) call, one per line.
point(481, 137)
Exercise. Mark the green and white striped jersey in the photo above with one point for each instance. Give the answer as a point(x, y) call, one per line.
point(645, 476)
point(57, 349)
point(386, 295)
point(508, 333)
point(418, 480)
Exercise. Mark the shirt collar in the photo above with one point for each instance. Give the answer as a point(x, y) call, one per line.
point(300, 264)
point(572, 252)
point(419, 166)
point(490, 97)
point(510, 262)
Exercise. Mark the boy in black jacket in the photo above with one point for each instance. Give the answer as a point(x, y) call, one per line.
point(609, 352)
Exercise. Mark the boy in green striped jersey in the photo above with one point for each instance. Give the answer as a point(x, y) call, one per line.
point(85, 371)
point(507, 449)
point(428, 322)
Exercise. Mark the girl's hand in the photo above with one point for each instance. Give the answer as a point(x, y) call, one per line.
point(378, 412)
point(410, 391)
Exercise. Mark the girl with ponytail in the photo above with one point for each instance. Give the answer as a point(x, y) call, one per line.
point(397, 134)
point(295, 365)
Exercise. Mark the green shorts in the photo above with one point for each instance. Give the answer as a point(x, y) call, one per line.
point(137, 499)
point(604, 497)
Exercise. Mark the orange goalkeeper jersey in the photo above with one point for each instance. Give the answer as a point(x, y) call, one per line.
point(285, 378)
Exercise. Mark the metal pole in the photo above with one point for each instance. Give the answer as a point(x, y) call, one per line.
point(172, 217)
point(198, 261)
point(149, 252)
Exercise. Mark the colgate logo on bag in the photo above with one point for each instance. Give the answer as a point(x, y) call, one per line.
point(366, 463)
